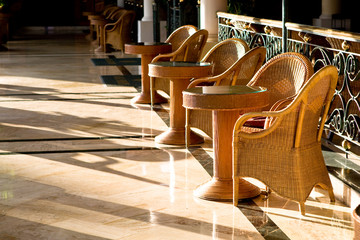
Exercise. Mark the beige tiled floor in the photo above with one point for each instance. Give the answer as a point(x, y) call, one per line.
point(78, 161)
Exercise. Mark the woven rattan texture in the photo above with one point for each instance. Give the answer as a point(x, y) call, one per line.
point(287, 155)
point(177, 37)
point(283, 75)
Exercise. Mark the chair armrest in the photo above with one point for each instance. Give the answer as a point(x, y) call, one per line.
point(168, 57)
point(110, 27)
point(238, 133)
point(198, 81)
point(217, 79)
point(101, 22)
point(281, 104)
point(94, 17)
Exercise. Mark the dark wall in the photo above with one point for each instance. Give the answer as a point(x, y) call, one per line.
point(298, 11)
point(48, 13)
point(69, 12)
point(302, 12)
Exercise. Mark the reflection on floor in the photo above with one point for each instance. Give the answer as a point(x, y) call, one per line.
point(78, 161)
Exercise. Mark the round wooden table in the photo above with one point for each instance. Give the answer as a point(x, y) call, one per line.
point(179, 74)
point(227, 103)
point(148, 51)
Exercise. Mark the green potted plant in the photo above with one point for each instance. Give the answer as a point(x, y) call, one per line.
point(244, 7)
point(2, 4)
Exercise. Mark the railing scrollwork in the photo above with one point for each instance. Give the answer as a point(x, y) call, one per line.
point(323, 48)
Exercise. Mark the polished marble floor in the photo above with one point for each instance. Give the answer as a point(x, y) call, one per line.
point(78, 161)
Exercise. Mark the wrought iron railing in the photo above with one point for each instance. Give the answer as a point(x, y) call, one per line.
point(323, 47)
point(182, 12)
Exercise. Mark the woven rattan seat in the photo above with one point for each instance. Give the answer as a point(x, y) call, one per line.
point(286, 156)
point(189, 51)
point(283, 76)
point(233, 64)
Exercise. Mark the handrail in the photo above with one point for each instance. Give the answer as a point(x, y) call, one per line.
point(323, 47)
point(326, 32)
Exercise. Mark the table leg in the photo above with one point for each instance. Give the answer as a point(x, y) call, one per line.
point(145, 95)
point(176, 132)
point(220, 187)
point(101, 34)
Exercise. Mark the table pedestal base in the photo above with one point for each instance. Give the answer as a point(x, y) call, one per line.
point(175, 136)
point(222, 190)
point(144, 97)
point(100, 49)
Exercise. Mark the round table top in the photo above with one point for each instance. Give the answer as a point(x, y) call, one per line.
point(225, 97)
point(174, 69)
point(153, 48)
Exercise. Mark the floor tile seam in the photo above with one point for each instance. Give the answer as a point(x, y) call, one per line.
point(87, 150)
point(64, 99)
point(159, 109)
point(47, 55)
point(340, 175)
point(261, 230)
point(78, 138)
point(332, 223)
point(63, 93)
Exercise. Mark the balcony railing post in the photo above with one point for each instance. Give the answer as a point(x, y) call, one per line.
point(198, 13)
point(156, 23)
point(284, 20)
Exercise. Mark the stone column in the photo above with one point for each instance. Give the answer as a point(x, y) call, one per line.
point(329, 8)
point(120, 3)
point(145, 26)
point(208, 17)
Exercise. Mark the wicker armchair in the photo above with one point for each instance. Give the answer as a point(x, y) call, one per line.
point(118, 33)
point(189, 51)
point(283, 76)
point(95, 19)
point(286, 155)
point(234, 64)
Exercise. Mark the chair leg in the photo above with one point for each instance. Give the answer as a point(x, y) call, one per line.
point(266, 192)
point(331, 195)
point(302, 208)
point(187, 129)
point(235, 191)
point(152, 92)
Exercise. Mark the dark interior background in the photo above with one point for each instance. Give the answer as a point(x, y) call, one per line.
point(69, 12)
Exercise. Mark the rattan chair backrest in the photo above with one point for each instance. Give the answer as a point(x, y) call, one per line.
point(108, 12)
point(224, 54)
point(283, 76)
point(311, 104)
point(248, 65)
point(191, 49)
point(179, 35)
point(117, 14)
